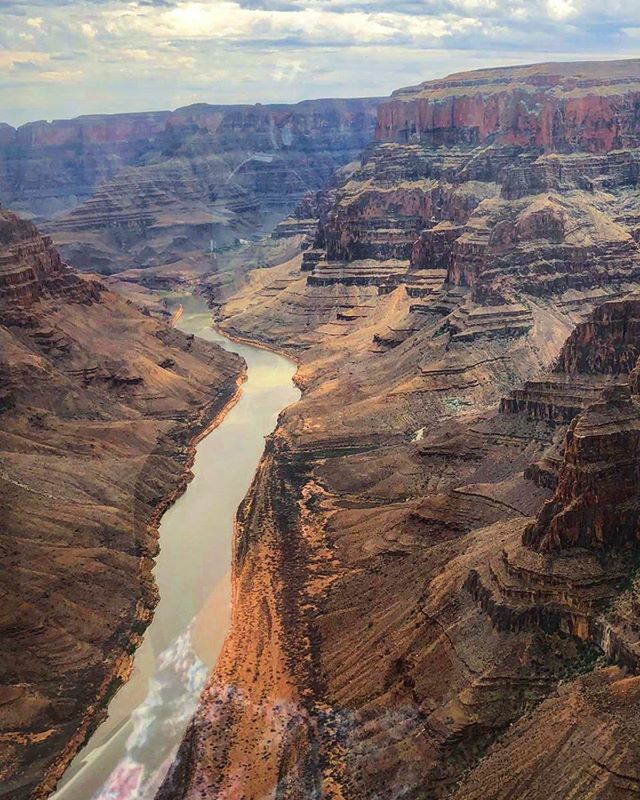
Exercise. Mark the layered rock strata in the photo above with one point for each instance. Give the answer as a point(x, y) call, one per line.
point(575, 571)
point(49, 167)
point(569, 107)
point(423, 572)
point(191, 183)
point(593, 387)
point(101, 406)
point(479, 176)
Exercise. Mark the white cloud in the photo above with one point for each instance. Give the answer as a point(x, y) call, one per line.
point(287, 71)
point(137, 54)
point(60, 75)
point(561, 9)
point(10, 59)
point(186, 62)
point(230, 22)
point(127, 54)
point(88, 31)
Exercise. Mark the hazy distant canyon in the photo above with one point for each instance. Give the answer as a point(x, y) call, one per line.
point(435, 568)
point(147, 189)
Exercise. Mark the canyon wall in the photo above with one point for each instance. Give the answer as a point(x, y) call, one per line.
point(489, 195)
point(596, 503)
point(149, 190)
point(437, 557)
point(100, 406)
point(574, 107)
point(49, 167)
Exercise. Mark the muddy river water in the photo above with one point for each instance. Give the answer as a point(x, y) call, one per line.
point(128, 755)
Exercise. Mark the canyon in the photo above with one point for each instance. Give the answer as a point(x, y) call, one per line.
point(101, 408)
point(435, 588)
point(175, 190)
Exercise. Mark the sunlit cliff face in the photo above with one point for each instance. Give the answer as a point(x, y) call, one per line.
point(67, 57)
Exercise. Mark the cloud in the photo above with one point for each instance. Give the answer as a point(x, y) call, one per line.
point(561, 9)
point(88, 31)
point(25, 66)
point(287, 70)
point(60, 75)
point(15, 60)
point(110, 55)
point(312, 25)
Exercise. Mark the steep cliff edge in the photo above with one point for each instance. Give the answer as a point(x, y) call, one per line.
point(560, 107)
point(396, 624)
point(100, 407)
point(597, 498)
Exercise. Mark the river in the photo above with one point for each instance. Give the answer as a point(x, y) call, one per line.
point(128, 755)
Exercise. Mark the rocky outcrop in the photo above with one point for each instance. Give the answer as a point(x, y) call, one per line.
point(600, 352)
point(31, 268)
point(100, 408)
point(606, 344)
point(555, 397)
point(597, 499)
point(433, 248)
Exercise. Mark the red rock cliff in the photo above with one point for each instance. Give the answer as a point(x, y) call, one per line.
point(561, 107)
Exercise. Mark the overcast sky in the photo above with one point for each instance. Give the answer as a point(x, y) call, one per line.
point(61, 58)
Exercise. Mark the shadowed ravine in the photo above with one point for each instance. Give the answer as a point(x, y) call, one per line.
point(128, 755)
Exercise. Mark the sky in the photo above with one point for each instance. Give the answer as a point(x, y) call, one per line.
point(62, 58)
